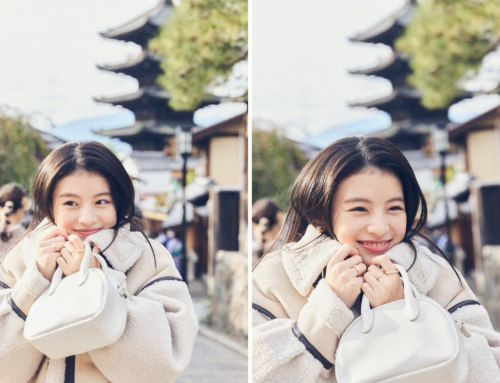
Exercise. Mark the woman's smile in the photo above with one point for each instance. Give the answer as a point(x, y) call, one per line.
point(369, 212)
point(379, 247)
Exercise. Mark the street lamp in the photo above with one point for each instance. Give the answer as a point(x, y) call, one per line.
point(441, 146)
point(184, 140)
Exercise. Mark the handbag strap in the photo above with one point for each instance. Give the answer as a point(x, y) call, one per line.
point(84, 269)
point(411, 307)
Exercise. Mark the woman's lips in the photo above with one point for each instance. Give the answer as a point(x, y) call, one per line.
point(378, 247)
point(86, 232)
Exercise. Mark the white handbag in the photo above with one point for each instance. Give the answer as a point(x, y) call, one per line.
point(413, 340)
point(78, 313)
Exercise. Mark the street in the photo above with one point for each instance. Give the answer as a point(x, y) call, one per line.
point(212, 362)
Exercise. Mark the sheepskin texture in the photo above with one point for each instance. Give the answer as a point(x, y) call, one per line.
point(161, 325)
point(283, 286)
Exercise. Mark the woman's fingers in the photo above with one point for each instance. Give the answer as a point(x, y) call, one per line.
point(76, 242)
point(53, 233)
point(341, 254)
point(384, 262)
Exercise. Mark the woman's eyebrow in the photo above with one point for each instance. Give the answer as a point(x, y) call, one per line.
point(396, 199)
point(72, 195)
point(356, 199)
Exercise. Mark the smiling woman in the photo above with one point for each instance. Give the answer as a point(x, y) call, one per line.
point(82, 193)
point(356, 212)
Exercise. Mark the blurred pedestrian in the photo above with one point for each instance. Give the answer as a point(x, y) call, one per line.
point(266, 225)
point(13, 204)
point(175, 246)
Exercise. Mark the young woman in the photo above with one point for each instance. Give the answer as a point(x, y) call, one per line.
point(356, 208)
point(82, 192)
point(13, 203)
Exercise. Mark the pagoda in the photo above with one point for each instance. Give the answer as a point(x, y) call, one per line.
point(156, 122)
point(411, 122)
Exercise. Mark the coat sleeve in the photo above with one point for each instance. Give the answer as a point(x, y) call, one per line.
point(482, 343)
point(19, 287)
point(294, 350)
point(481, 340)
point(160, 332)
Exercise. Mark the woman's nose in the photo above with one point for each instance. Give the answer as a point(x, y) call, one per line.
point(87, 215)
point(378, 226)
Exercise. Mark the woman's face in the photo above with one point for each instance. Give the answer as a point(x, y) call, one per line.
point(369, 212)
point(82, 204)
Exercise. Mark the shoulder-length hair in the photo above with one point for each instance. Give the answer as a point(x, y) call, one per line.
point(312, 193)
point(89, 156)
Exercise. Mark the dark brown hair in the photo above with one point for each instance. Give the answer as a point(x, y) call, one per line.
point(90, 156)
point(312, 192)
point(12, 192)
point(266, 208)
point(17, 198)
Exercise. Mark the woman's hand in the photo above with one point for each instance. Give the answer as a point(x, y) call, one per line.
point(49, 248)
point(72, 255)
point(382, 285)
point(345, 276)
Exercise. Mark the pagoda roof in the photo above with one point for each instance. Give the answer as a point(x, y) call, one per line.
point(389, 29)
point(144, 135)
point(395, 69)
point(142, 60)
point(152, 103)
point(159, 128)
point(152, 92)
point(402, 104)
point(405, 135)
point(140, 29)
point(145, 67)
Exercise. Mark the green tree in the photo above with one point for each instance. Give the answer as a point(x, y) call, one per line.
point(21, 149)
point(200, 44)
point(276, 162)
point(446, 42)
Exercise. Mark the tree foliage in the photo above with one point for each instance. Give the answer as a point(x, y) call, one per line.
point(21, 150)
point(275, 163)
point(200, 43)
point(447, 41)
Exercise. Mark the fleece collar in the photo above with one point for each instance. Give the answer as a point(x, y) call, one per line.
point(305, 260)
point(125, 250)
point(123, 253)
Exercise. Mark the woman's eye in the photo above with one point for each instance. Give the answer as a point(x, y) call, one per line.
point(102, 202)
point(396, 208)
point(358, 208)
point(69, 203)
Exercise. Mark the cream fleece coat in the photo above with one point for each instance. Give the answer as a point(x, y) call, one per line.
point(161, 323)
point(296, 327)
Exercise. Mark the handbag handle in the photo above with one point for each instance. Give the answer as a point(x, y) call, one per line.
point(411, 305)
point(83, 272)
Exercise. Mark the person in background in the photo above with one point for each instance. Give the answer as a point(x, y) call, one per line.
point(266, 225)
point(13, 204)
point(174, 245)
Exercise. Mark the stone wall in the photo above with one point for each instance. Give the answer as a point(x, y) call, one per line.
point(229, 312)
point(486, 283)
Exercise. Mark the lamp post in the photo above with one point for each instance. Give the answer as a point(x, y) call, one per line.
point(184, 139)
point(441, 146)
